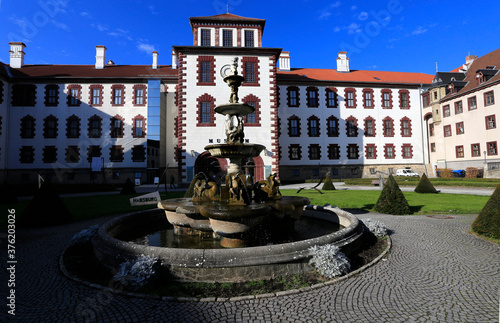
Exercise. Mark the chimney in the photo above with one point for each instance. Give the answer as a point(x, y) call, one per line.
point(470, 58)
point(174, 60)
point(285, 61)
point(155, 60)
point(17, 54)
point(343, 63)
point(100, 57)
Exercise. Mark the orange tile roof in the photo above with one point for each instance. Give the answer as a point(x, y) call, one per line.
point(313, 74)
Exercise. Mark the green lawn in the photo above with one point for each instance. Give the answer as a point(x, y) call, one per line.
point(419, 203)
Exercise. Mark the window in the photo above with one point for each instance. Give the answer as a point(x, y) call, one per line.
point(206, 70)
point(371, 151)
point(116, 127)
point(205, 37)
point(472, 103)
point(138, 153)
point(433, 147)
point(296, 172)
point(351, 127)
point(387, 99)
point(312, 97)
point(352, 151)
point(293, 96)
point(74, 95)
point(249, 38)
point(28, 127)
point(206, 113)
point(368, 98)
point(489, 99)
point(117, 95)
point(388, 127)
point(460, 128)
point(314, 152)
point(27, 155)
point(73, 127)
point(139, 127)
point(459, 151)
point(116, 153)
point(23, 95)
point(72, 154)
point(447, 131)
point(490, 122)
point(435, 95)
point(250, 68)
point(332, 124)
point(369, 127)
point(446, 111)
point(95, 127)
point(431, 129)
point(227, 38)
point(389, 151)
point(294, 126)
point(458, 107)
point(333, 151)
point(313, 126)
point(475, 150)
point(350, 98)
point(492, 148)
point(407, 151)
point(426, 100)
point(51, 95)
point(405, 127)
point(93, 151)
point(96, 95)
point(49, 154)
point(50, 127)
point(294, 152)
point(404, 99)
point(331, 98)
point(252, 119)
point(139, 98)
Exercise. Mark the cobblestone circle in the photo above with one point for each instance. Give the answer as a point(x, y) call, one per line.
point(435, 272)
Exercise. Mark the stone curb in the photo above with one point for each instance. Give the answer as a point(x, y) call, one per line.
point(65, 272)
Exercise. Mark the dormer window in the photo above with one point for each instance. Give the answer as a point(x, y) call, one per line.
point(480, 78)
point(205, 37)
point(227, 38)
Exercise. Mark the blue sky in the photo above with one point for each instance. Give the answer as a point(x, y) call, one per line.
point(388, 35)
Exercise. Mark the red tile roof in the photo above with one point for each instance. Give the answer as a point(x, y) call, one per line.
point(313, 74)
point(89, 71)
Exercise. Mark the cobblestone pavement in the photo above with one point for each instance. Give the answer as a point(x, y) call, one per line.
point(435, 272)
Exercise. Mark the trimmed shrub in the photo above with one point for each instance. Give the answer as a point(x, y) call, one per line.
point(487, 222)
point(328, 185)
point(392, 200)
point(425, 185)
point(472, 172)
point(445, 173)
point(45, 209)
point(329, 261)
point(128, 188)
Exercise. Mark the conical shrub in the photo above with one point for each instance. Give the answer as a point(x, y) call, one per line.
point(392, 200)
point(487, 222)
point(425, 186)
point(128, 188)
point(328, 185)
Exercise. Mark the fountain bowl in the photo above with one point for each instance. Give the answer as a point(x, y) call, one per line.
point(235, 151)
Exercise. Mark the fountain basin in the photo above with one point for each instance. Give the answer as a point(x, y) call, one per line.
point(223, 265)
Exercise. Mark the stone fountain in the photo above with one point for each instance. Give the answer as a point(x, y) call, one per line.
point(257, 228)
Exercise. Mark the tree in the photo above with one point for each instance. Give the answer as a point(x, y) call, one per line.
point(425, 186)
point(392, 199)
point(487, 222)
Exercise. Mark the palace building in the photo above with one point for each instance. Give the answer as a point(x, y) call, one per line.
point(108, 122)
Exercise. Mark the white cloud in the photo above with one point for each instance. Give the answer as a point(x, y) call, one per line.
point(337, 29)
point(363, 16)
point(419, 30)
point(354, 8)
point(153, 10)
point(327, 11)
point(60, 25)
point(145, 47)
point(86, 14)
point(100, 27)
point(354, 28)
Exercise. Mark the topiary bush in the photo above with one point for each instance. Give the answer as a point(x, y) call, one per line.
point(128, 188)
point(445, 173)
point(472, 172)
point(329, 261)
point(392, 200)
point(425, 185)
point(328, 185)
point(487, 222)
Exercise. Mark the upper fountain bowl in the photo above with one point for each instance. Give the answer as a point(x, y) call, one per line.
point(237, 109)
point(235, 150)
